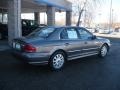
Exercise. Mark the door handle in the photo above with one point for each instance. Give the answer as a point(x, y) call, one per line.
point(86, 42)
point(66, 44)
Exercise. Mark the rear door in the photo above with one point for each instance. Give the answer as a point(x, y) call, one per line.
point(70, 38)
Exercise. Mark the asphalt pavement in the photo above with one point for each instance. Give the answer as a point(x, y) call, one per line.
point(91, 73)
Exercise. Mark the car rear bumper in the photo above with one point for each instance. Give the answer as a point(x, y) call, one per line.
point(33, 58)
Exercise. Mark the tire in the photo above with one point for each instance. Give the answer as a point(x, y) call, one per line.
point(103, 51)
point(57, 61)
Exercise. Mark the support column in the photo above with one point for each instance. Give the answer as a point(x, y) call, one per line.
point(68, 18)
point(50, 16)
point(2, 16)
point(14, 20)
point(37, 17)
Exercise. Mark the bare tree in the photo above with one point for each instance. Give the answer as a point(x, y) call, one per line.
point(81, 9)
point(84, 7)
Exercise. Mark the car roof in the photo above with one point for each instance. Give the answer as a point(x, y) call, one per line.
point(65, 27)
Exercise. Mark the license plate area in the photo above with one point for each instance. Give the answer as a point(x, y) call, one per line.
point(16, 46)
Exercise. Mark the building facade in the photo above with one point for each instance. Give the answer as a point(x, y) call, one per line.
point(14, 8)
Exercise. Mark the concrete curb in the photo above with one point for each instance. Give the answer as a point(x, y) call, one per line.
point(108, 35)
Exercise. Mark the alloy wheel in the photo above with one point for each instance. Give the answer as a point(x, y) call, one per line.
point(58, 61)
point(104, 51)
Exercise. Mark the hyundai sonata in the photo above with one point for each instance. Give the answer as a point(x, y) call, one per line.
point(56, 45)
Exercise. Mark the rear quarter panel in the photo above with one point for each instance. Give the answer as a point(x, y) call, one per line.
point(50, 46)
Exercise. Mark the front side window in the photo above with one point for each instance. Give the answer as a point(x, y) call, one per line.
point(32, 23)
point(84, 34)
point(69, 33)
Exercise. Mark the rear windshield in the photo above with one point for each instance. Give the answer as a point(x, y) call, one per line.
point(43, 33)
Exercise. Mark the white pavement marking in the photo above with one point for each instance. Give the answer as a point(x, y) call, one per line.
point(113, 35)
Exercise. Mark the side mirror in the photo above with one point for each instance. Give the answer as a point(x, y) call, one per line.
point(94, 37)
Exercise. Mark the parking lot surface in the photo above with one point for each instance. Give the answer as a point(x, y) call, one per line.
point(91, 73)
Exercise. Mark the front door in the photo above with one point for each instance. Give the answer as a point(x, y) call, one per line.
point(89, 45)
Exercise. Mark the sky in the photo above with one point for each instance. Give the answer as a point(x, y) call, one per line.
point(102, 13)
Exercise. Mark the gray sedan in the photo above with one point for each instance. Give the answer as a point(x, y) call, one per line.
point(56, 45)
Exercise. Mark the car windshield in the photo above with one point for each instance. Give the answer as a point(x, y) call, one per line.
point(43, 33)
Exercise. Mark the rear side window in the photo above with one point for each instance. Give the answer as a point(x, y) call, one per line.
point(43, 33)
point(64, 34)
point(69, 33)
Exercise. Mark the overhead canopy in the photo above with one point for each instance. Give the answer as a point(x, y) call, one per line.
point(61, 4)
point(40, 5)
point(14, 8)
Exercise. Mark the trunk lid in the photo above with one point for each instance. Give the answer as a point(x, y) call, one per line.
point(18, 44)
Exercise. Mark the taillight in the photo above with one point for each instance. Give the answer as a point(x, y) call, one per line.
point(29, 48)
